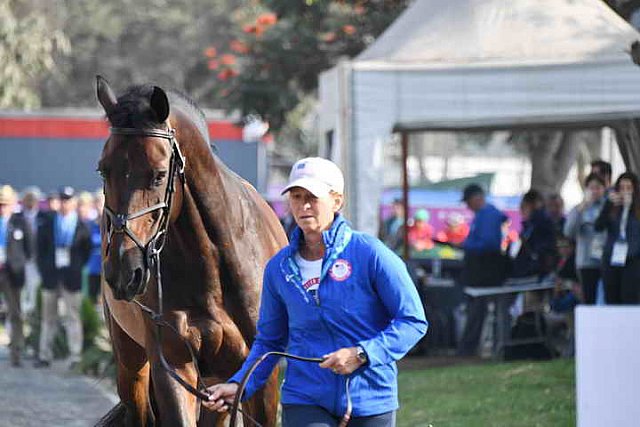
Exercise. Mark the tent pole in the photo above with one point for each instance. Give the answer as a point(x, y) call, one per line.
point(405, 194)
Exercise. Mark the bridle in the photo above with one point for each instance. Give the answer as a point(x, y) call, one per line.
point(118, 223)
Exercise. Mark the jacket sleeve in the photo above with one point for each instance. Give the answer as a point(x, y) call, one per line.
point(29, 250)
point(399, 296)
point(603, 222)
point(273, 335)
point(571, 225)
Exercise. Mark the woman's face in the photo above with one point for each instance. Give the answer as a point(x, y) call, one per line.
point(313, 214)
point(595, 190)
point(625, 186)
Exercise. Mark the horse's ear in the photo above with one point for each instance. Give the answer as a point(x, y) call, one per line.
point(160, 104)
point(105, 95)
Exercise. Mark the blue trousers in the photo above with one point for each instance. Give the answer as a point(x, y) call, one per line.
point(315, 416)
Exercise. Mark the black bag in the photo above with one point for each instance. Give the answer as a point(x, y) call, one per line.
point(485, 269)
point(529, 326)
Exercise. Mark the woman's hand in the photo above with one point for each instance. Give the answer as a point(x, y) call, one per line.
point(343, 361)
point(220, 396)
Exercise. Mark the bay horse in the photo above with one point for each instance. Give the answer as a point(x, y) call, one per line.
point(185, 239)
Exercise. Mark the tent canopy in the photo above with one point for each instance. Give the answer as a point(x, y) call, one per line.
point(476, 64)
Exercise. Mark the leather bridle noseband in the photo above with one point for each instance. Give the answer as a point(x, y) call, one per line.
point(118, 223)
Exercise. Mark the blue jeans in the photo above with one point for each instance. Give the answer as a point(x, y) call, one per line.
point(315, 416)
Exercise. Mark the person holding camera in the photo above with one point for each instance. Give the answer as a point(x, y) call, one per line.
point(580, 226)
point(620, 217)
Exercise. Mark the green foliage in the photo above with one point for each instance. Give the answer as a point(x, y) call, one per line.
point(507, 394)
point(285, 44)
point(27, 48)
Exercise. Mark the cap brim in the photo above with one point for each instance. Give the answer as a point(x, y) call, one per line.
point(315, 187)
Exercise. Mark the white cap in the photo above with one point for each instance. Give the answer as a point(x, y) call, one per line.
point(319, 176)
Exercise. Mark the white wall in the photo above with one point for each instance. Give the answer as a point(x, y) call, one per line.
point(608, 366)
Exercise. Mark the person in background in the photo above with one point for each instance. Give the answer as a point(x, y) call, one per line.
point(620, 217)
point(15, 250)
point(53, 202)
point(64, 245)
point(567, 294)
point(537, 248)
point(456, 230)
point(483, 262)
point(334, 293)
point(603, 170)
point(392, 226)
point(554, 207)
point(94, 265)
point(31, 212)
point(86, 211)
point(580, 226)
point(420, 234)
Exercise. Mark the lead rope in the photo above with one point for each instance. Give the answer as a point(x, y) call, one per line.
point(235, 408)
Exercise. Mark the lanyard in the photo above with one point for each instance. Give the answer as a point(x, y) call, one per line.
point(623, 223)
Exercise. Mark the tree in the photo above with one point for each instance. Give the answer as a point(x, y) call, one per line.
point(138, 41)
point(281, 46)
point(27, 48)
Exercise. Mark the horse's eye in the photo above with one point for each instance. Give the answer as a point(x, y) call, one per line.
point(157, 180)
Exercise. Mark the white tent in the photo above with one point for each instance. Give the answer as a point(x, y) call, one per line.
point(477, 64)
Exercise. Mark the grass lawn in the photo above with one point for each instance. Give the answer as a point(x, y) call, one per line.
point(504, 395)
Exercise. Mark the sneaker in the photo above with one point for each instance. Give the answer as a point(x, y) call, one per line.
point(41, 364)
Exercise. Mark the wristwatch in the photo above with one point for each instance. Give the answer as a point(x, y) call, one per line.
point(361, 355)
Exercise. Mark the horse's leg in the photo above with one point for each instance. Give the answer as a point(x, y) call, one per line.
point(132, 375)
point(176, 406)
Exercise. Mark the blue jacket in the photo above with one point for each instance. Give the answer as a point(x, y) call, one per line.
point(485, 234)
point(94, 264)
point(366, 298)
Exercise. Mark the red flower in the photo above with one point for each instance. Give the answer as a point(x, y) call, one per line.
point(349, 29)
point(267, 19)
point(328, 37)
point(210, 52)
point(249, 29)
point(228, 59)
point(213, 64)
point(239, 47)
point(227, 73)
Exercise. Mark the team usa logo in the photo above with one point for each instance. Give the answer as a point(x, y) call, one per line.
point(341, 270)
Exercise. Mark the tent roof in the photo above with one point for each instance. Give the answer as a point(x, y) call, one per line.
point(501, 32)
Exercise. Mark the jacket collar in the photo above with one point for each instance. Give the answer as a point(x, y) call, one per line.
point(336, 238)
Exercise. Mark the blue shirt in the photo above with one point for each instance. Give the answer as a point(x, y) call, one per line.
point(485, 233)
point(4, 224)
point(65, 229)
point(95, 259)
point(365, 298)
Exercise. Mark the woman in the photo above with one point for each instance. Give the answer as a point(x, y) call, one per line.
point(589, 243)
point(333, 293)
point(536, 254)
point(620, 217)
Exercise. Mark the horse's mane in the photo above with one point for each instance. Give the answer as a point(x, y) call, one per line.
point(133, 110)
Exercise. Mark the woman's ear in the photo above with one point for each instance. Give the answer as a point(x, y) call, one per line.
point(338, 201)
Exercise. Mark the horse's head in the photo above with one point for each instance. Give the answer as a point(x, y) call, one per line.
point(141, 166)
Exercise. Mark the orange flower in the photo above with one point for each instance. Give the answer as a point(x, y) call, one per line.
point(239, 47)
point(349, 29)
point(267, 19)
point(227, 73)
point(328, 37)
point(213, 64)
point(210, 52)
point(228, 59)
point(249, 29)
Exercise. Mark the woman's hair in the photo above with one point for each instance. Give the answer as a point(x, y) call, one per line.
point(533, 198)
point(635, 204)
point(594, 177)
